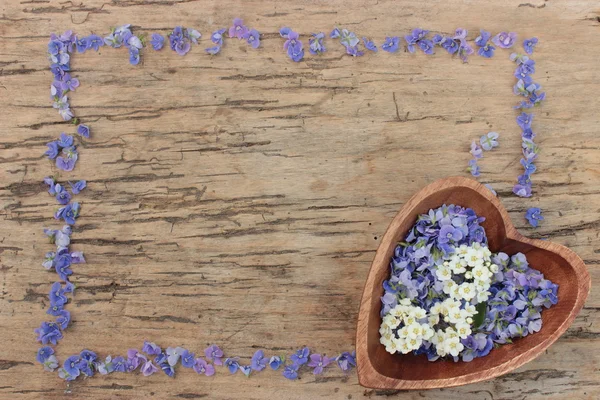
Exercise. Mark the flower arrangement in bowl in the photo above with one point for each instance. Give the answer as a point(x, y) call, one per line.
point(456, 295)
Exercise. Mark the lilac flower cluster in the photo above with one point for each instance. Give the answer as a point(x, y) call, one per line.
point(60, 191)
point(518, 297)
point(518, 292)
point(525, 85)
point(181, 39)
point(152, 358)
point(456, 44)
point(349, 40)
point(60, 48)
point(487, 142)
point(530, 153)
point(418, 37)
point(433, 237)
point(242, 32)
point(122, 36)
point(293, 45)
point(59, 261)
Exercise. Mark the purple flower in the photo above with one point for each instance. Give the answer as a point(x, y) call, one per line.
point(252, 37)
point(525, 69)
point(50, 364)
point(63, 319)
point(157, 41)
point(348, 39)
point(95, 42)
point(315, 43)
point(489, 141)
point(300, 356)
point(505, 40)
point(293, 45)
point(369, 45)
point(318, 362)
point(522, 190)
point(346, 361)
point(83, 130)
point(187, 359)
point(82, 44)
point(335, 33)
point(426, 45)
point(487, 185)
point(275, 362)
point(57, 295)
point(529, 45)
point(213, 50)
point(52, 151)
point(62, 196)
point(71, 367)
point(49, 262)
point(524, 120)
point(105, 367)
point(232, 364)
point(534, 216)
point(151, 348)
point(167, 369)
point(134, 55)
point(473, 168)
point(449, 233)
point(483, 38)
point(173, 355)
point(528, 166)
point(353, 51)
point(48, 332)
point(217, 36)
point(259, 362)
point(416, 36)
point(77, 187)
point(194, 35)
point(68, 159)
point(476, 150)
point(214, 354)
point(65, 140)
point(179, 41)
point(44, 353)
point(120, 364)
point(238, 29)
point(291, 371)
point(391, 44)
point(148, 368)
point(202, 367)
point(69, 83)
point(246, 370)
point(69, 213)
point(135, 359)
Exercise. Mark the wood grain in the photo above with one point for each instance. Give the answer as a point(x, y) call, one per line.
point(381, 370)
point(240, 199)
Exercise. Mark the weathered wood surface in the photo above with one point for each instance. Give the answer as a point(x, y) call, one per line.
point(240, 199)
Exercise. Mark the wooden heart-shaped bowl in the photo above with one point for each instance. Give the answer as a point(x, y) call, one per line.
point(380, 370)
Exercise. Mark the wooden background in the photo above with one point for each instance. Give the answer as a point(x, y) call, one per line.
point(240, 199)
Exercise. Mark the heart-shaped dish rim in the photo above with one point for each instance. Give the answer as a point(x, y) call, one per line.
point(367, 334)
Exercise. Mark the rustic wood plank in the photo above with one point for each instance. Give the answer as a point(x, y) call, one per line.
point(240, 199)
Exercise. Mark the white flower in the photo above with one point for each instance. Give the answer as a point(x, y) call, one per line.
point(467, 290)
point(481, 273)
point(443, 273)
point(463, 329)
